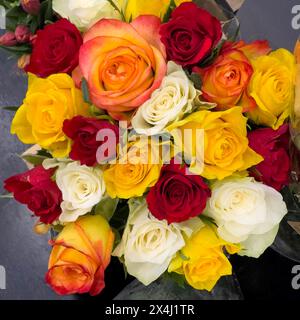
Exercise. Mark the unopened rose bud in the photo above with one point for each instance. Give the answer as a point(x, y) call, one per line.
point(41, 228)
point(23, 61)
point(22, 34)
point(8, 39)
point(31, 6)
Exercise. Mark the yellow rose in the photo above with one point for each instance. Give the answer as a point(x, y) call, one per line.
point(226, 147)
point(272, 87)
point(202, 261)
point(135, 8)
point(47, 104)
point(135, 171)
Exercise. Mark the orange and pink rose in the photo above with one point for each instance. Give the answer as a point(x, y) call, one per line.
point(80, 256)
point(123, 63)
point(225, 82)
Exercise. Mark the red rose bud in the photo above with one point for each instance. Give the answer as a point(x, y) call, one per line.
point(22, 34)
point(8, 39)
point(31, 6)
point(23, 61)
point(178, 195)
point(272, 145)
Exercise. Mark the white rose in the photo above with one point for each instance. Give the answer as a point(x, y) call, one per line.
point(148, 244)
point(169, 103)
point(246, 212)
point(82, 188)
point(84, 13)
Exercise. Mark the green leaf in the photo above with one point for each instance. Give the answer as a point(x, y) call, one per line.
point(34, 159)
point(207, 220)
point(183, 256)
point(100, 114)
point(167, 16)
point(46, 13)
point(196, 79)
point(14, 17)
point(210, 59)
point(117, 237)
point(118, 9)
point(48, 16)
point(33, 25)
point(18, 50)
point(177, 278)
point(57, 228)
point(119, 219)
point(10, 108)
point(8, 4)
point(107, 207)
point(85, 91)
point(44, 153)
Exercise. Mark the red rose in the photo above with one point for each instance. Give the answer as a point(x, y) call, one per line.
point(273, 145)
point(55, 49)
point(83, 131)
point(177, 196)
point(36, 189)
point(190, 35)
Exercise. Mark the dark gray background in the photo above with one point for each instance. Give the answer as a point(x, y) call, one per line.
point(25, 255)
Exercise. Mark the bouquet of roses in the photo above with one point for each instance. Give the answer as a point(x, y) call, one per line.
point(161, 141)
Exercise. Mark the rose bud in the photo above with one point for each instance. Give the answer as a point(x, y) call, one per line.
point(41, 228)
point(22, 33)
point(31, 6)
point(8, 39)
point(23, 61)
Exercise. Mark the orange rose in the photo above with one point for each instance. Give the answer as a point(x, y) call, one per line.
point(123, 63)
point(225, 82)
point(80, 255)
